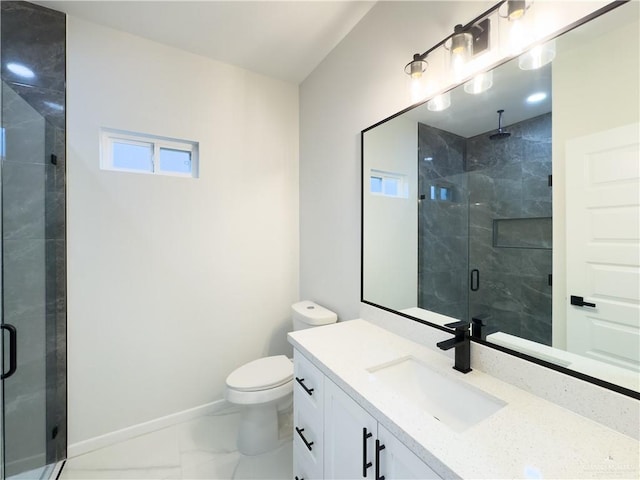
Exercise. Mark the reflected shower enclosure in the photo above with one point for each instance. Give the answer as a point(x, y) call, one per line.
point(32, 174)
point(484, 226)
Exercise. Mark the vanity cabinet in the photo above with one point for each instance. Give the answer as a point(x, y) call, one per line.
point(335, 438)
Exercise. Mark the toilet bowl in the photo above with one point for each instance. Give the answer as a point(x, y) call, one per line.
point(263, 387)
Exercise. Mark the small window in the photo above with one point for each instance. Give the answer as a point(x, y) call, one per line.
point(388, 184)
point(142, 153)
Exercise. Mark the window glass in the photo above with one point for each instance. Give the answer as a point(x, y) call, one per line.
point(132, 156)
point(376, 185)
point(391, 186)
point(177, 161)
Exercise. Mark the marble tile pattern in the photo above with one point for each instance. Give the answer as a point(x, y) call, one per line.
point(203, 448)
point(33, 234)
point(528, 438)
point(442, 223)
point(503, 180)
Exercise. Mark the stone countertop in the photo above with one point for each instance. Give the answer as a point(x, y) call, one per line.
point(528, 438)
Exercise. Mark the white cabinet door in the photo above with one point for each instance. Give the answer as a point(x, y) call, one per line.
point(349, 436)
point(396, 461)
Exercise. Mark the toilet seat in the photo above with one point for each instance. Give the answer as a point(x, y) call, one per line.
point(262, 374)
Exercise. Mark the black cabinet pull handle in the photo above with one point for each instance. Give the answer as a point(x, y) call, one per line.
point(365, 464)
point(475, 280)
point(379, 448)
point(13, 350)
point(579, 302)
point(306, 389)
point(299, 478)
point(307, 444)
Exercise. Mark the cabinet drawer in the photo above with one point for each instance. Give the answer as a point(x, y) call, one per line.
point(308, 384)
point(305, 467)
point(308, 440)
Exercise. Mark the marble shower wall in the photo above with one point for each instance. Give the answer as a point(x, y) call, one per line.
point(497, 185)
point(509, 183)
point(33, 233)
point(442, 222)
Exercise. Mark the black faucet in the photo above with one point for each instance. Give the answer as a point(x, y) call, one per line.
point(461, 343)
point(479, 327)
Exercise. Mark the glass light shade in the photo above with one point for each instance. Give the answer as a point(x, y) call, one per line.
point(480, 83)
point(538, 56)
point(461, 52)
point(416, 68)
point(516, 9)
point(439, 102)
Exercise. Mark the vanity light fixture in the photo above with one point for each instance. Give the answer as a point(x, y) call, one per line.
point(415, 69)
point(466, 42)
point(538, 56)
point(480, 83)
point(516, 9)
point(518, 30)
point(461, 51)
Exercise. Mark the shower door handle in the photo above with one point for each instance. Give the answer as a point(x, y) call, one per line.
point(13, 350)
point(475, 280)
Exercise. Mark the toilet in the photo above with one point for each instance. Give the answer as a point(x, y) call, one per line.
point(263, 387)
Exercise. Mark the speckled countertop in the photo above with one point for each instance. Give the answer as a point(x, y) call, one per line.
point(528, 438)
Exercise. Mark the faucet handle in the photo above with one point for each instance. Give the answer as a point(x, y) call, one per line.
point(460, 325)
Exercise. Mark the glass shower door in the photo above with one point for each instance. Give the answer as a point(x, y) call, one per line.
point(32, 186)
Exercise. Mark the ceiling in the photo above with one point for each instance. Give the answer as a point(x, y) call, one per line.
point(280, 39)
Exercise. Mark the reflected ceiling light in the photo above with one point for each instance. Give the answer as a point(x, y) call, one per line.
point(439, 102)
point(536, 97)
point(20, 70)
point(480, 83)
point(538, 56)
point(54, 105)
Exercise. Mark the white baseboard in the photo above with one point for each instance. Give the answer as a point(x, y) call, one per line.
point(86, 446)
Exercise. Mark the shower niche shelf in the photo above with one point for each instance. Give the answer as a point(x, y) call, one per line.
point(530, 233)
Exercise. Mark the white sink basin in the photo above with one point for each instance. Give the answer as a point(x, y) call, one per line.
point(454, 403)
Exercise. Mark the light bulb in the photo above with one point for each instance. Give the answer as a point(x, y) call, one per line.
point(461, 52)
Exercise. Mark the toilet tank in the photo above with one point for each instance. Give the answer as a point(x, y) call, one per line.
point(307, 314)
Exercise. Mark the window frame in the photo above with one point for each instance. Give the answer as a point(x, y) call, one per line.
point(399, 178)
point(109, 136)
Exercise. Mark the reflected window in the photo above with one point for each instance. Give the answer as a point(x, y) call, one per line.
point(389, 184)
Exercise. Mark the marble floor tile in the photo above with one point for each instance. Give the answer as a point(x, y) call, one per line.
point(202, 448)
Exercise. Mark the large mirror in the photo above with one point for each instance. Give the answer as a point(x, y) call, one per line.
point(519, 206)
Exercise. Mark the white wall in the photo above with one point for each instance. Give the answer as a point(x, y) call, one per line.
point(391, 223)
point(173, 282)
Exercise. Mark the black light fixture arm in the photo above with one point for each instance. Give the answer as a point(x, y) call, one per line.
point(468, 26)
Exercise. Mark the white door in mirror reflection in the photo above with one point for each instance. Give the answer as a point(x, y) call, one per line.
point(603, 231)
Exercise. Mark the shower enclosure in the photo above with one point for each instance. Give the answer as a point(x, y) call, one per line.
point(32, 182)
point(484, 227)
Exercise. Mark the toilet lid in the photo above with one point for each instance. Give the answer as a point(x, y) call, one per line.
point(261, 374)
